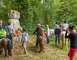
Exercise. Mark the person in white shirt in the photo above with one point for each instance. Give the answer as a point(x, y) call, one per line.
point(24, 40)
point(65, 26)
point(48, 34)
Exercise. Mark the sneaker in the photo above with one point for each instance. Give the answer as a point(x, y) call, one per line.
point(24, 52)
point(58, 44)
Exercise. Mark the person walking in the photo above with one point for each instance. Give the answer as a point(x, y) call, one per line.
point(24, 40)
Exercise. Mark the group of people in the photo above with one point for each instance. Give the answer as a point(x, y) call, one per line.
point(42, 36)
point(59, 29)
point(46, 34)
point(70, 33)
point(8, 33)
point(24, 39)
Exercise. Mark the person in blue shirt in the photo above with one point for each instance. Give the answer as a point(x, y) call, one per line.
point(56, 24)
point(57, 34)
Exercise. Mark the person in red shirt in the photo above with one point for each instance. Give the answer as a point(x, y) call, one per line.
point(18, 34)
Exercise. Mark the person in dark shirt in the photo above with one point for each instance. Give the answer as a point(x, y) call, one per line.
point(36, 31)
point(73, 42)
point(57, 34)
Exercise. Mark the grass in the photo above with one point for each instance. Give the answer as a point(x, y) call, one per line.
point(52, 52)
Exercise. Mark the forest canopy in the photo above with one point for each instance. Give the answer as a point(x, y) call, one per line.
point(45, 12)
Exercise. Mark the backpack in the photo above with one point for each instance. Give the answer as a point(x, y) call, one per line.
point(2, 33)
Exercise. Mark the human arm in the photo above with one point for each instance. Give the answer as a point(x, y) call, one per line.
point(68, 35)
point(35, 30)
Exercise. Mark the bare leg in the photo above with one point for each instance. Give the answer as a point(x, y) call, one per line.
point(24, 46)
point(25, 50)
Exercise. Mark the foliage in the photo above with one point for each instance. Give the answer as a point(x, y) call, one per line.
point(34, 12)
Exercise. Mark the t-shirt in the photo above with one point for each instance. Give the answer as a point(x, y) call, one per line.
point(73, 40)
point(9, 29)
point(65, 26)
point(18, 32)
point(25, 37)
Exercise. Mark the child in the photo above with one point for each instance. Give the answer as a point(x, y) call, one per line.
point(57, 33)
point(18, 34)
point(73, 42)
point(24, 40)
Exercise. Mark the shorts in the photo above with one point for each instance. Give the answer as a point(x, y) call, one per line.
point(24, 44)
